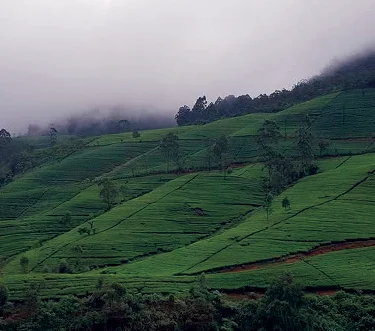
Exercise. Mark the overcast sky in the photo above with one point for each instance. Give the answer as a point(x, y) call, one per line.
point(59, 57)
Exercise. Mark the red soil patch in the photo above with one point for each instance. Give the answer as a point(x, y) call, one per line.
point(325, 292)
point(258, 294)
point(199, 211)
point(293, 258)
point(244, 296)
point(238, 165)
point(341, 246)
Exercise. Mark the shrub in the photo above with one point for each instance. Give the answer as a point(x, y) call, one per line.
point(24, 262)
point(3, 295)
point(136, 134)
point(64, 267)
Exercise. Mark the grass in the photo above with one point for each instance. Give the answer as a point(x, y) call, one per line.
point(319, 214)
point(39, 218)
point(167, 228)
point(59, 285)
point(348, 269)
point(161, 220)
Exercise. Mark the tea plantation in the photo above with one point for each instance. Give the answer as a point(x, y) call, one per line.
point(173, 221)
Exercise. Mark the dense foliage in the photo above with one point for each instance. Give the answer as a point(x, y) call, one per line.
point(18, 155)
point(355, 73)
point(14, 157)
point(162, 225)
point(111, 307)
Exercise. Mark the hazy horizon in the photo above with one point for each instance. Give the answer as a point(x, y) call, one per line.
point(60, 58)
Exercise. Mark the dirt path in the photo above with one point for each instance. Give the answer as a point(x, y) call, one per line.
point(258, 294)
point(293, 258)
point(256, 265)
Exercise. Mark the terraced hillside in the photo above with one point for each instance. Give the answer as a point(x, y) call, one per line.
point(167, 228)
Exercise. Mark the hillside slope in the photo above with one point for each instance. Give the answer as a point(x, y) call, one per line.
point(167, 228)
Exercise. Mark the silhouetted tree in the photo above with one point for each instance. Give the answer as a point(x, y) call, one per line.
point(220, 148)
point(286, 203)
point(280, 308)
point(124, 190)
point(170, 147)
point(3, 297)
point(108, 192)
point(184, 116)
point(123, 126)
point(280, 168)
point(64, 267)
point(24, 262)
point(200, 105)
point(5, 138)
point(323, 145)
point(209, 153)
point(136, 134)
point(268, 134)
point(92, 229)
point(53, 136)
point(83, 230)
point(355, 73)
point(304, 141)
point(267, 204)
point(66, 219)
point(5, 174)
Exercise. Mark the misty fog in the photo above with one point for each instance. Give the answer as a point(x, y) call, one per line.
point(63, 57)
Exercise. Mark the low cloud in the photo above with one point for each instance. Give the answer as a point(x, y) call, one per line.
point(60, 58)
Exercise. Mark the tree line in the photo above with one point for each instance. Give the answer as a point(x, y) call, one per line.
point(284, 307)
point(355, 73)
point(18, 154)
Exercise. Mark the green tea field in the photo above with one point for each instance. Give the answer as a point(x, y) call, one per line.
point(173, 220)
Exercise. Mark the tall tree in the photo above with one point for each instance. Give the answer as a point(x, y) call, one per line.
point(267, 204)
point(200, 105)
point(24, 262)
point(304, 142)
point(170, 147)
point(323, 145)
point(53, 135)
point(5, 138)
point(3, 297)
point(220, 148)
point(66, 219)
point(281, 171)
point(286, 203)
point(281, 307)
point(268, 134)
point(108, 192)
point(209, 155)
point(278, 166)
point(124, 190)
point(123, 126)
point(136, 134)
point(5, 174)
point(183, 116)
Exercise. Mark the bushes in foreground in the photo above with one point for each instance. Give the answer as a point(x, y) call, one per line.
point(111, 307)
